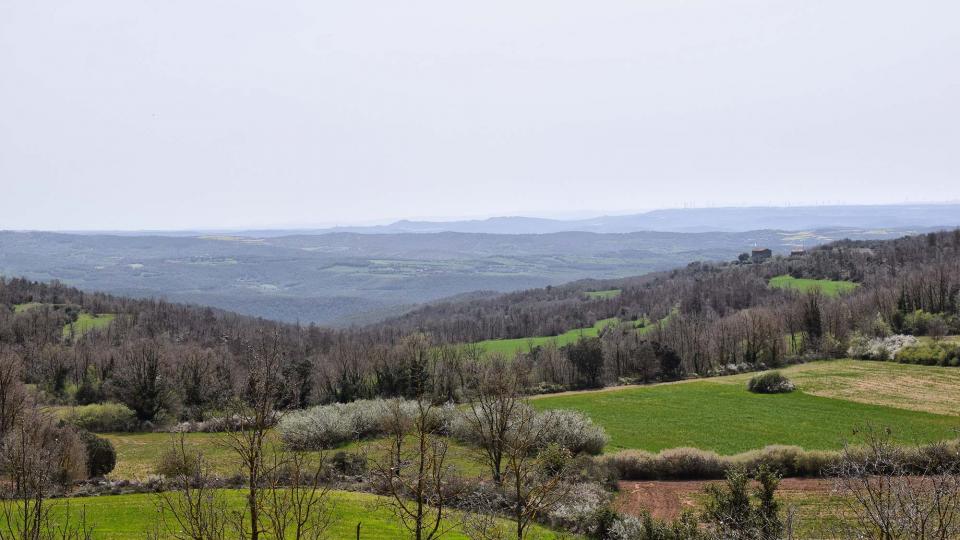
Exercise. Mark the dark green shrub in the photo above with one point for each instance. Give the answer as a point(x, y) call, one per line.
point(770, 382)
point(101, 456)
point(102, 417)
point(179, 461)
point(731, 512)
point(348, 463)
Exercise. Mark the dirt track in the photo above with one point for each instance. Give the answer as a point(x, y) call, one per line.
point(666, 500)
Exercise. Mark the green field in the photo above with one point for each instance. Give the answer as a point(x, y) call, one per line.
point(86, 322)
point(598, 295)
point(510, 347)
point(826, 286)
point(20, 308)
point(139, 453)
point(131, 516)
point(726, 418)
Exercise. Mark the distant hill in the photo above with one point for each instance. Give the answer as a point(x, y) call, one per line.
point(688, 220)
point(350, 278)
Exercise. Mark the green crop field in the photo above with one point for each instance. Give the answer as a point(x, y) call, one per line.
point(139, 453)
point(86, 322)
point(724, 417)
point(132, 516)
point(609, 293)
point(826, 286)
point(510, 347)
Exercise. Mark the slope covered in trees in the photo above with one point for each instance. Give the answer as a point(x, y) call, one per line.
point(171, 362)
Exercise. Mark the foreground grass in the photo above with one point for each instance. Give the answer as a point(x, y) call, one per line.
point(139, 453)
point(930, 389)
point(131, 516)
point(826, 286)
point(728, 419)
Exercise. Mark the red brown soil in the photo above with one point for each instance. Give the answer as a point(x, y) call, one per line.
point(666, 500)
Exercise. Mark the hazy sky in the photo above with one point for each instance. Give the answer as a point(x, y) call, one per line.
point(231, 113)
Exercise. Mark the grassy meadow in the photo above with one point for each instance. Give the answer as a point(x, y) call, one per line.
point(721, 415)
point(86, 322)
point(510, 347)
point(825, 286)
point(132, 516)
point(603, 295)
point(139, 453)
point(931, 389)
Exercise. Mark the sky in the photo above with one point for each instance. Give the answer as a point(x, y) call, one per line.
point(179, 114)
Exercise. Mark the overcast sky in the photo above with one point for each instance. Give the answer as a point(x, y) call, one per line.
point(166, 114)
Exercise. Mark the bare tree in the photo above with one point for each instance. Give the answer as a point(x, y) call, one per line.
point(413, 470)
point(535, 476)
point(296, 503)
point(254, 415)
point(888, 500)
point(36, 457)
point(12, 394)
point(193, 510)
point(497, 397)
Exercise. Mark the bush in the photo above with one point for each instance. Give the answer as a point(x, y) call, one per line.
point(327, 426)
point(101, 456)
point(349, 463)
point(215, 424)
point(174, 462)
point(572, 430)
point(931, 354)
point(884, 348)
point(671, 464)
point(102, 417)
point(771, 382)
point(695, 464)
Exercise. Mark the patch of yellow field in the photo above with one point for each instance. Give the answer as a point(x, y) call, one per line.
point(919, 388)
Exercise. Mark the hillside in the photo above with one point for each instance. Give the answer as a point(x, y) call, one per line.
point(640, 365)
point(345, 278)
point(695, 320)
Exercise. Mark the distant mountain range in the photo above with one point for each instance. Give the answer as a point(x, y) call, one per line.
point(731, 219)
point(699, 220)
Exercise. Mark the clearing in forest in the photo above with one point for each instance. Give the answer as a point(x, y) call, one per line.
point(510, 347)
point(826, 286)
point(603, 295)
point(86, 322)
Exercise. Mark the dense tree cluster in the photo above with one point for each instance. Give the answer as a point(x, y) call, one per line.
point(170, 361)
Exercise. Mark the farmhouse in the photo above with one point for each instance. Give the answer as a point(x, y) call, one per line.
point(760, 254)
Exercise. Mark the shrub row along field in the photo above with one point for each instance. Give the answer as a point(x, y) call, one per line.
point(722, 416)
point(825, 286)
point(510, 347)
point(132, 516)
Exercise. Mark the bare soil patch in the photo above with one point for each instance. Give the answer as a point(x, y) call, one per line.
point(668, 499)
